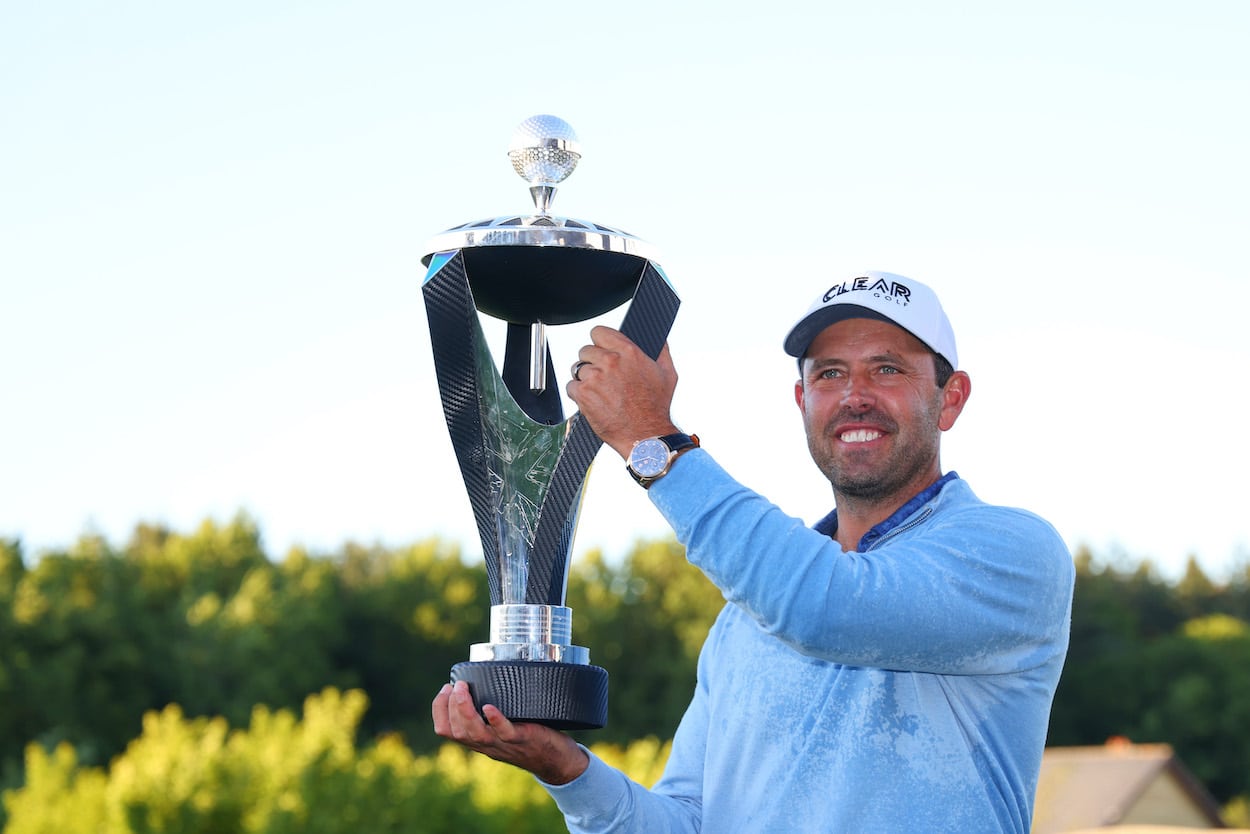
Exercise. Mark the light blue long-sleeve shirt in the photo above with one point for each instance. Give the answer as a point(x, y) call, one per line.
point(904, 687)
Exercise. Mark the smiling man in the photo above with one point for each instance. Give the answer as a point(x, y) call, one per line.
point(890, 669)
point(872, 394)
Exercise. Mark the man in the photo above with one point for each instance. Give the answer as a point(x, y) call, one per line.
point(890, 669)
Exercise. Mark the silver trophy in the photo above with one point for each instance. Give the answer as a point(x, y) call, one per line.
point(523, 463)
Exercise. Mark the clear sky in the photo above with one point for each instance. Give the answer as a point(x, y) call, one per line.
point(212, 215)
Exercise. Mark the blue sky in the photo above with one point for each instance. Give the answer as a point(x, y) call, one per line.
point(211, 220)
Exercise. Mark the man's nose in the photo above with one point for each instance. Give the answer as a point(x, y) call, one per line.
point(857, 396)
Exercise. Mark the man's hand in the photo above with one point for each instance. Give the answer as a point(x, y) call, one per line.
point(548, 754)
point(621, 391)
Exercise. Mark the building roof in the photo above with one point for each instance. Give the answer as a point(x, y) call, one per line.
point(1117, 783)
point(1148, 829)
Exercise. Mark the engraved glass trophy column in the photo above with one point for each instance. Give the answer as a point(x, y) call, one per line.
point(523, 463)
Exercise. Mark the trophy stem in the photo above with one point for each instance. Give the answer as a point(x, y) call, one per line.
point(530, 633)
point(538, 357)
point(543, 195)
point(531, 624)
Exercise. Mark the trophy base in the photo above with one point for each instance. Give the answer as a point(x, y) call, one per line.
point(565, 696)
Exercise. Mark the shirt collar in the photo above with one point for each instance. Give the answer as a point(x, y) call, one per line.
point(829, 524)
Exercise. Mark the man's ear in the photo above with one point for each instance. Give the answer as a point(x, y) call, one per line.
point(798, 396)
point(954, 397)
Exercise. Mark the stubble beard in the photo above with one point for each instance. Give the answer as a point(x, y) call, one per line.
point(867, 483)
point(882, 483)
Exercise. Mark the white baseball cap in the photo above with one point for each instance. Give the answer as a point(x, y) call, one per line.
point(883, 296)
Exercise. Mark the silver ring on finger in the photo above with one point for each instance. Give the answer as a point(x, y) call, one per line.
point(577, 369)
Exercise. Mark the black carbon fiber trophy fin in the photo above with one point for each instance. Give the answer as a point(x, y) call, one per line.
point(453, 328)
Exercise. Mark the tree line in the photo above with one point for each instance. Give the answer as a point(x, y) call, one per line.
point(286, 773)
point(94, 636)
point(97, 635)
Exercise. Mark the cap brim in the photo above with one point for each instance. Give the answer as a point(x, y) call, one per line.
point(801, 336)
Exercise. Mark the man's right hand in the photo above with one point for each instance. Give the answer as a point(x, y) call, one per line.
point(548, 754)
point(624, 394)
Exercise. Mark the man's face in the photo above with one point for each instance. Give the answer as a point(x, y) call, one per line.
point(873, 411)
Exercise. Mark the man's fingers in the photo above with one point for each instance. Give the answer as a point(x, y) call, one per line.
point(665, 361)
point(466, 724)
point(487, 728)
point(442, 723)
point(504, 729)
point(548, 754)
point(609, 338)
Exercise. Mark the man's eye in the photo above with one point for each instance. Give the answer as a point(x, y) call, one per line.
point(830, 373)
point(888, 369)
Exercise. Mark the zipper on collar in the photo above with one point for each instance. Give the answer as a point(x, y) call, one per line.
point(906, 525)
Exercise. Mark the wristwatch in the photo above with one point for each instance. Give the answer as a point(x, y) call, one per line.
point(650, 459)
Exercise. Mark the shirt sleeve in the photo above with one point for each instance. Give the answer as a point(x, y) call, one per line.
point(605, 801)
point(976, 589)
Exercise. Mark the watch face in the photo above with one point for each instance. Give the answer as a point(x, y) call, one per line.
point(649, 458)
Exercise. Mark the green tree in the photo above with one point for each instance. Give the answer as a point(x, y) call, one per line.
point(283, 774)
point(1096, 695)
point(1195, 695)
point(1196, 594)
point(410, 615)
point(96, 635)
point(83, 664)
point(13, 660)
point(272, 640)
point(1138, 668)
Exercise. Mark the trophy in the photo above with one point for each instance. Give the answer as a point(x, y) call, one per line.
point(523, 463)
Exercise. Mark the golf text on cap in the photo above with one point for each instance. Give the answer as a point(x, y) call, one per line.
point(890, 290)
